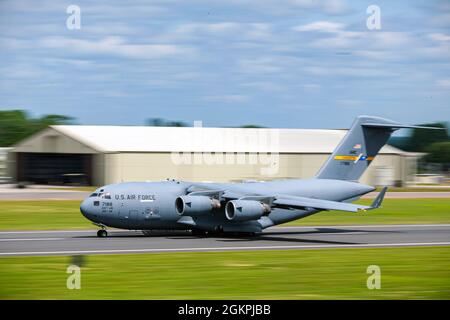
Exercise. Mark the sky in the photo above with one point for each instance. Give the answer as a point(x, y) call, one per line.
point(274, 63)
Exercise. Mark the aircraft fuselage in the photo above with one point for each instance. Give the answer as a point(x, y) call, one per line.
point(151, 205)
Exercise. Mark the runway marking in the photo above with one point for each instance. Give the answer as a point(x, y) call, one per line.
point(143, 237)
point(270, 228)
point(63, 231)
point(364, 226)
point(111, 236)
point(32, 239)
point(374, 245)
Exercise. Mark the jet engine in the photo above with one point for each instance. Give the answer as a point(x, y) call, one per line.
point(244, 210)
point(195, 205)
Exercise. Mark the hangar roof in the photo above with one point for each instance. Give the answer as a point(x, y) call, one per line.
point(199, 139)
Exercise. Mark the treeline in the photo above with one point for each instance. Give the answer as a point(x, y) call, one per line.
point(16, 125)
point(159, 122)
point(436, 143)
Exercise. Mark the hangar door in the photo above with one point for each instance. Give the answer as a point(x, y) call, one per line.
point(55, 168)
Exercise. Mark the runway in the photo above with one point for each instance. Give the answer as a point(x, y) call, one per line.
point(77, 242)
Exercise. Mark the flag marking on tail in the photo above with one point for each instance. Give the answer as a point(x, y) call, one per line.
point(354, 158)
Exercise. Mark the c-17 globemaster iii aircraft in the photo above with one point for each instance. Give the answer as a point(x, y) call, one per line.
point(211, 208)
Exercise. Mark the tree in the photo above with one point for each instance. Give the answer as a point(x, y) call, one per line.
point(421, 139)
point(16, 125)
point(251, 126)
point(438, 152)
point(158, 122)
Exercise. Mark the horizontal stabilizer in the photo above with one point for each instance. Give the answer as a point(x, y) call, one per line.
point(307, 203)
point(319, 204)
point(397, 126)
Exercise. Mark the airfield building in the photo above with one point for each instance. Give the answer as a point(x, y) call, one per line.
point(4, 165)
point(99, 155)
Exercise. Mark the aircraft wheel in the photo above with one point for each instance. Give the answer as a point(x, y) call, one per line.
point(102, 233)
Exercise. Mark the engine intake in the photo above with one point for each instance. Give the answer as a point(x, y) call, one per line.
point(245, 210)
point(195, 205)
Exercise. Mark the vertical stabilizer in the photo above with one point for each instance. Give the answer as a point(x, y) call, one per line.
point(359, 147)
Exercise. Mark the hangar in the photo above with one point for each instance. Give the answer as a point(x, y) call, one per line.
point(99, 155)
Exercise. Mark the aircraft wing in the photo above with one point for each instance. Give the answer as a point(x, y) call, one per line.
point(214, 189)
point(303, 203)
point(293, 202)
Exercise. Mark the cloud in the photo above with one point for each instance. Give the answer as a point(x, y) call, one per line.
point(212, 31)
point(226, 98)
point(320, 26)
point(440, 37)
point(358, 72)
point(110, 28)
point(26, 6)
point(310, 86)
point(22, 71)
point(264, 86)
point(444, 83)
point(333, 7)
point(115, 46)
point(349, 102)
point(268, 64)
point(367, 40)
point(260, 65)
point(442, 20)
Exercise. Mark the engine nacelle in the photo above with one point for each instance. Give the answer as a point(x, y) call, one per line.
point(195, 205)
point(245, 210)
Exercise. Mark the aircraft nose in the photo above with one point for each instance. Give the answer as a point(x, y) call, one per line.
point(84, 209)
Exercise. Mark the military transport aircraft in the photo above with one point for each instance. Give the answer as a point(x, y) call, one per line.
point(211, 208)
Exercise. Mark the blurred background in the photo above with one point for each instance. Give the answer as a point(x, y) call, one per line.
point(49, 150)
point(295, 66)
point(107, 91)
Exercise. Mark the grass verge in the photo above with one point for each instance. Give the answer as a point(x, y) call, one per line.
point(406, 273)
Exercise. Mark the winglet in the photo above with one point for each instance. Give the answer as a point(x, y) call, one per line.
point(379, 199)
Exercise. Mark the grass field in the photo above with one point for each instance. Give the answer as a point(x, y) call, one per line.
point(51, 215)
point(406, 273)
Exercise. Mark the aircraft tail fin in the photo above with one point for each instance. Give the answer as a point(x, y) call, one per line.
point(359, 147)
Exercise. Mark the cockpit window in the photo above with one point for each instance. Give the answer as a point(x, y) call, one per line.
point(103, 195)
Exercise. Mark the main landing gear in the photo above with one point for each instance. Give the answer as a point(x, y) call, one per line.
point(102, 233)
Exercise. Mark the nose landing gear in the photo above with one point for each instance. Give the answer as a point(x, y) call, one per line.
point(102, 233)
